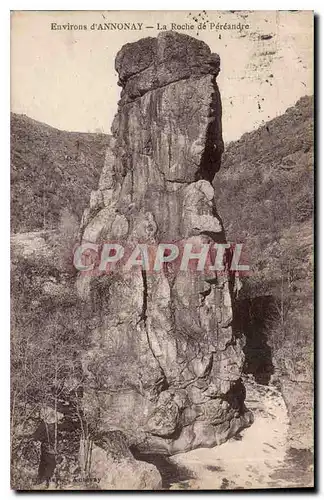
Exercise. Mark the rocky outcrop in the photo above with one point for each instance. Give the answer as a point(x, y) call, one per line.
point(164, 367)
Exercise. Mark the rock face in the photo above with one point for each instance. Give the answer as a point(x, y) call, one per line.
point(164, 367)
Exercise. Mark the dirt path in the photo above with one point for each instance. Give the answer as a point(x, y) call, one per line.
point(255, 459)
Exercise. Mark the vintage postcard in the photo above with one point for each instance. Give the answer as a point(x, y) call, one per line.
point(162, 189)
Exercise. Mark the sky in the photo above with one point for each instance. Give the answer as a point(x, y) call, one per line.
point(66, 78)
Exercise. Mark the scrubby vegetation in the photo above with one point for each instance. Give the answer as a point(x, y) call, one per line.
point(51, 168)
point(49, 336)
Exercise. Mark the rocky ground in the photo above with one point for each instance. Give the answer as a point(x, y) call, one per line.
point(259, 457)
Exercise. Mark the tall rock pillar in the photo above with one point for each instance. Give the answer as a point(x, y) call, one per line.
point(164, 366)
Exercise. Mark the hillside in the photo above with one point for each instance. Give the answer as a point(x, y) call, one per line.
point(264, 192)
point(269, 174)
point(51, 169)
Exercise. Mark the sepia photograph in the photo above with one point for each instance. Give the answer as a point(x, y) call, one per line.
point(162, 240)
